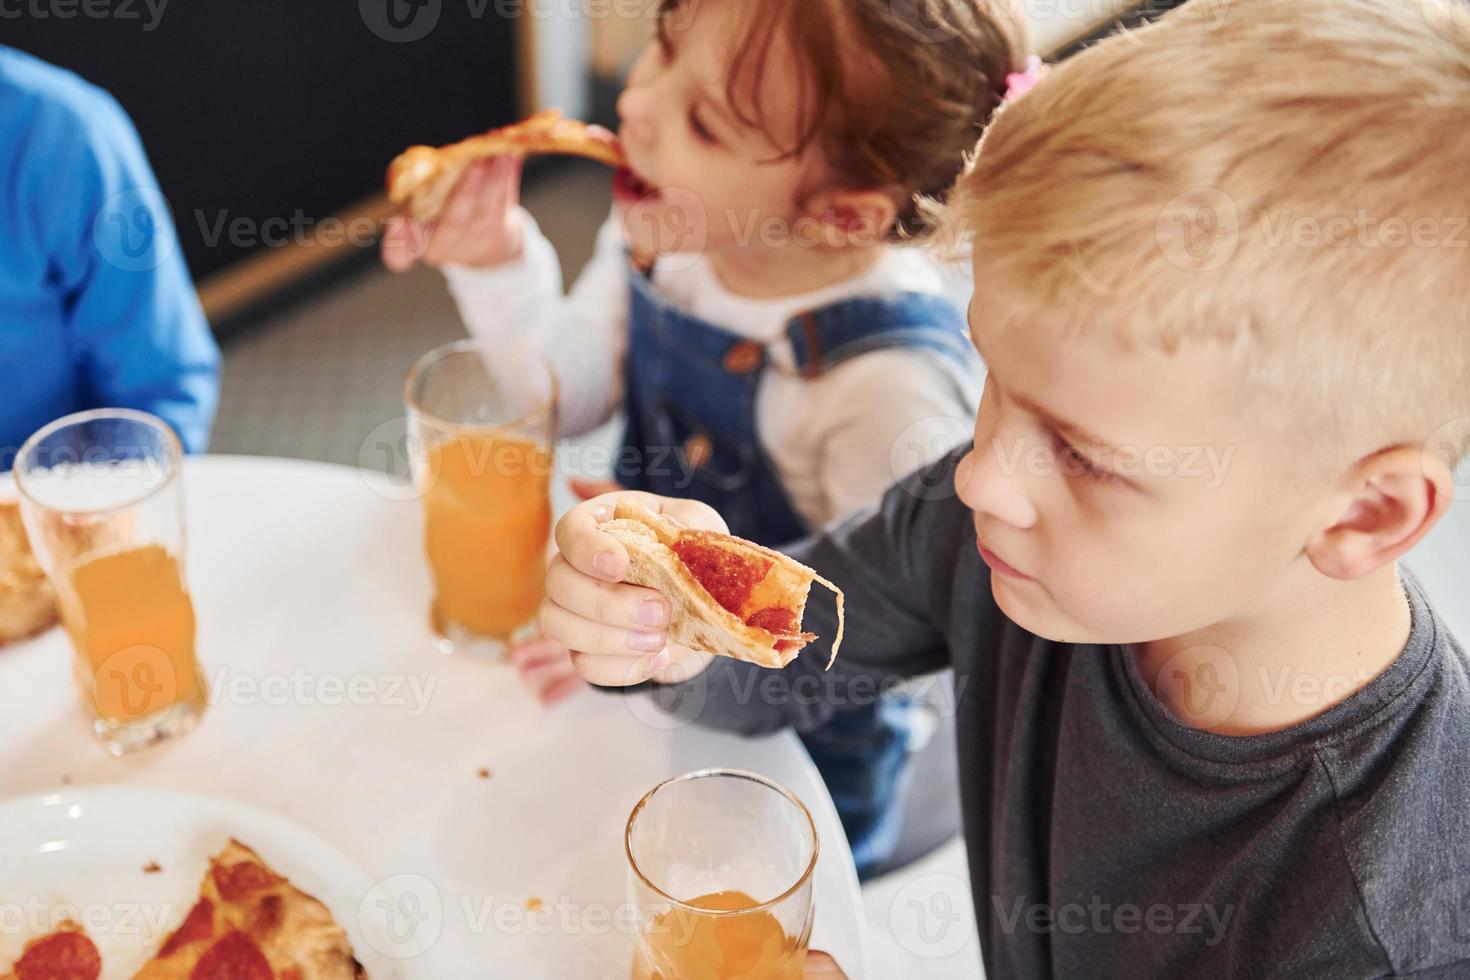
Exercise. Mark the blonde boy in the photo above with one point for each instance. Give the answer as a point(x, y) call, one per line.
point(1208, 727)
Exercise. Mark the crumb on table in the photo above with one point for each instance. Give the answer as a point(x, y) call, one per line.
point(534, 904)
point(152, 868)
point(483, 773)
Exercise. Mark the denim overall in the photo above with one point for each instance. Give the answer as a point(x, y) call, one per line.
point(691, 432)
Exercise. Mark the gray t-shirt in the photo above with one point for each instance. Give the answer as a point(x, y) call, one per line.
point(1105, 838)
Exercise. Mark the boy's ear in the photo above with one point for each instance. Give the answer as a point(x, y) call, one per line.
point(856, 217)
point(1393, 498)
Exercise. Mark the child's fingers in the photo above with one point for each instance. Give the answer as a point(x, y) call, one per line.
point(468, 196)
point(585, 547)
point(611, 671)
point(504, 183)
point(594, 552)
point(537, 651)
point(578, 633)
point(540, 676)
point(559, 691)
point(587, 489)
point(606, 603)
point(820, 966)
point(403, 243)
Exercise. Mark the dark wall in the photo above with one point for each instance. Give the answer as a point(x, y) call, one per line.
point(290, 109)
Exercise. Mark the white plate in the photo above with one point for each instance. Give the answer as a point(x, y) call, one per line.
point(81, 854)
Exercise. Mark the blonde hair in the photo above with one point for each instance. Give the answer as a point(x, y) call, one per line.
point(1287, 178)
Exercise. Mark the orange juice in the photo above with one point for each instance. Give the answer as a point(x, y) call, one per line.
point(487, 522)
point(681, 944)
point(131, 621)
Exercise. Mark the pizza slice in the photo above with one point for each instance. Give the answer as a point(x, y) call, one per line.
point(727, 596)
point(423, 177)
point(27, 604)
point(66, 954)
point(251, 924)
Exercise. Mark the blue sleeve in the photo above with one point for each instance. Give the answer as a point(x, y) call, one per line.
point(134, 325)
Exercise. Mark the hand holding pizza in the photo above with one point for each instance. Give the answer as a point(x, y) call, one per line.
point(618, 632)
point(480, 224)
point(704, 592)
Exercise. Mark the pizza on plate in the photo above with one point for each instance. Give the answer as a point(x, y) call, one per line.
point(66, 954)
point(423, 177)
point(251, 924)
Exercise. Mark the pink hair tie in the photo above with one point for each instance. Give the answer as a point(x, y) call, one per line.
point(1018, 83)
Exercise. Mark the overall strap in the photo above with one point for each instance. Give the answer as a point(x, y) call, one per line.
point(823, 338)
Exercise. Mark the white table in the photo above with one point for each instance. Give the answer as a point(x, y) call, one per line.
point(307, 581)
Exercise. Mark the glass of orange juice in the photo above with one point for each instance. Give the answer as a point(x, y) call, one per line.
point(721, 875)
point(101, 496)
point(481, 426)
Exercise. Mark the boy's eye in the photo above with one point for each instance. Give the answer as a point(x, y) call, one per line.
point(700, 130)
point(1075, 463)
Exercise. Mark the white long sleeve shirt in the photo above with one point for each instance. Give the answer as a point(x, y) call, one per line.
point(836, 442)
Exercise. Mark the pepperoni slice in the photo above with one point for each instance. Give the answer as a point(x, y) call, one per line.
point(239, 880)
point(728, 576)
point(63, 956)
point(775, 620)
point(235, 957)
point(199, 924)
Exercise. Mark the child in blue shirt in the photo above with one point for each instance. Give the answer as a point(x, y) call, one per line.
point(96, 304)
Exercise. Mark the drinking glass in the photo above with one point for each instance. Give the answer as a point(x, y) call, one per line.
point(481, 426)
point(101, 497)
point(720, 872)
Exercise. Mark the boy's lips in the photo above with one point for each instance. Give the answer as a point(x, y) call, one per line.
point(628, 186)
point(997, 565)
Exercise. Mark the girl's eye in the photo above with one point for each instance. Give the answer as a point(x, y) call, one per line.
point(1075, 463)
point(701, 131)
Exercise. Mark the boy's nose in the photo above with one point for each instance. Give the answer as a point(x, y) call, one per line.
point(988, 486)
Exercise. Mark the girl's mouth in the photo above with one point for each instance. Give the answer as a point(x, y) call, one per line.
point(628, 186)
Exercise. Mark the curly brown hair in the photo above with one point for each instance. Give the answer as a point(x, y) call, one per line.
point(896, 92)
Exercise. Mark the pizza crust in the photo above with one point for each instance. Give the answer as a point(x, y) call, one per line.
point(27, 603)
point(423, 177)
point(697, 620)
point(251, 918)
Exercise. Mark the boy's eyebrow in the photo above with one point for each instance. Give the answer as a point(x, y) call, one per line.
point(1076, 434)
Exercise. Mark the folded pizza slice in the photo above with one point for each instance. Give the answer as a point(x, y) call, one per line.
point(251, 924)
point(65, 954)
point(727, 596)
point(422, 177)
